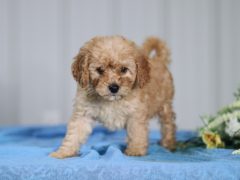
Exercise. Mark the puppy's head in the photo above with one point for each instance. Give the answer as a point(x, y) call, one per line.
point(110, 67)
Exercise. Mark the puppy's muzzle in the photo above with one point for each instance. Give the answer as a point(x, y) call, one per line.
point(113, 88)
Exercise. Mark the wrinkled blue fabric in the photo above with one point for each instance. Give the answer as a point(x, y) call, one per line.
point(24, 155)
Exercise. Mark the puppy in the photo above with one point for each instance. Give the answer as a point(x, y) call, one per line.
point(119, 85)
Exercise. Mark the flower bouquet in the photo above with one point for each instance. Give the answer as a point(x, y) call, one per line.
point(223, 129)
point(219, 131)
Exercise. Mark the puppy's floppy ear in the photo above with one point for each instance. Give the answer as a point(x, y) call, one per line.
point(80, 68)
point(143, 70)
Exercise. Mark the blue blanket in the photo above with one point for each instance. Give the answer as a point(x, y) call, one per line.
point(24, 155)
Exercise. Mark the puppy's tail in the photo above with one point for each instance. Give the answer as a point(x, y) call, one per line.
point(161, 50)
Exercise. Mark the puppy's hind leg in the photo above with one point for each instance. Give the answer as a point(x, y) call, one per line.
point(168, 127)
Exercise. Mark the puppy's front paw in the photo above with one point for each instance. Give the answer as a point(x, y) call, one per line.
point(60, 154)
point(135, 151)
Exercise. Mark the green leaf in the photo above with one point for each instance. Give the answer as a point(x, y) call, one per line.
point(237, 94)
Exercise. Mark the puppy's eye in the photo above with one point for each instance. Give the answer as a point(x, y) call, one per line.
point(100, 70)
point(124, 70)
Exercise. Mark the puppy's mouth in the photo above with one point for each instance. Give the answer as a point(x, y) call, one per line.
point(113, 97)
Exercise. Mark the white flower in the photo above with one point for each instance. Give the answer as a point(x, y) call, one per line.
point(233, 127)
point(237, 152)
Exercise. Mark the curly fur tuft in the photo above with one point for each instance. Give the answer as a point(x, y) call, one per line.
point(161, 50)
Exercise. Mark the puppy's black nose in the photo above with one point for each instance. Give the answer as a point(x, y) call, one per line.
point(113, 88)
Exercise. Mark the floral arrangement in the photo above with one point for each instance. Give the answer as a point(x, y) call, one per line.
point(223, 129)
